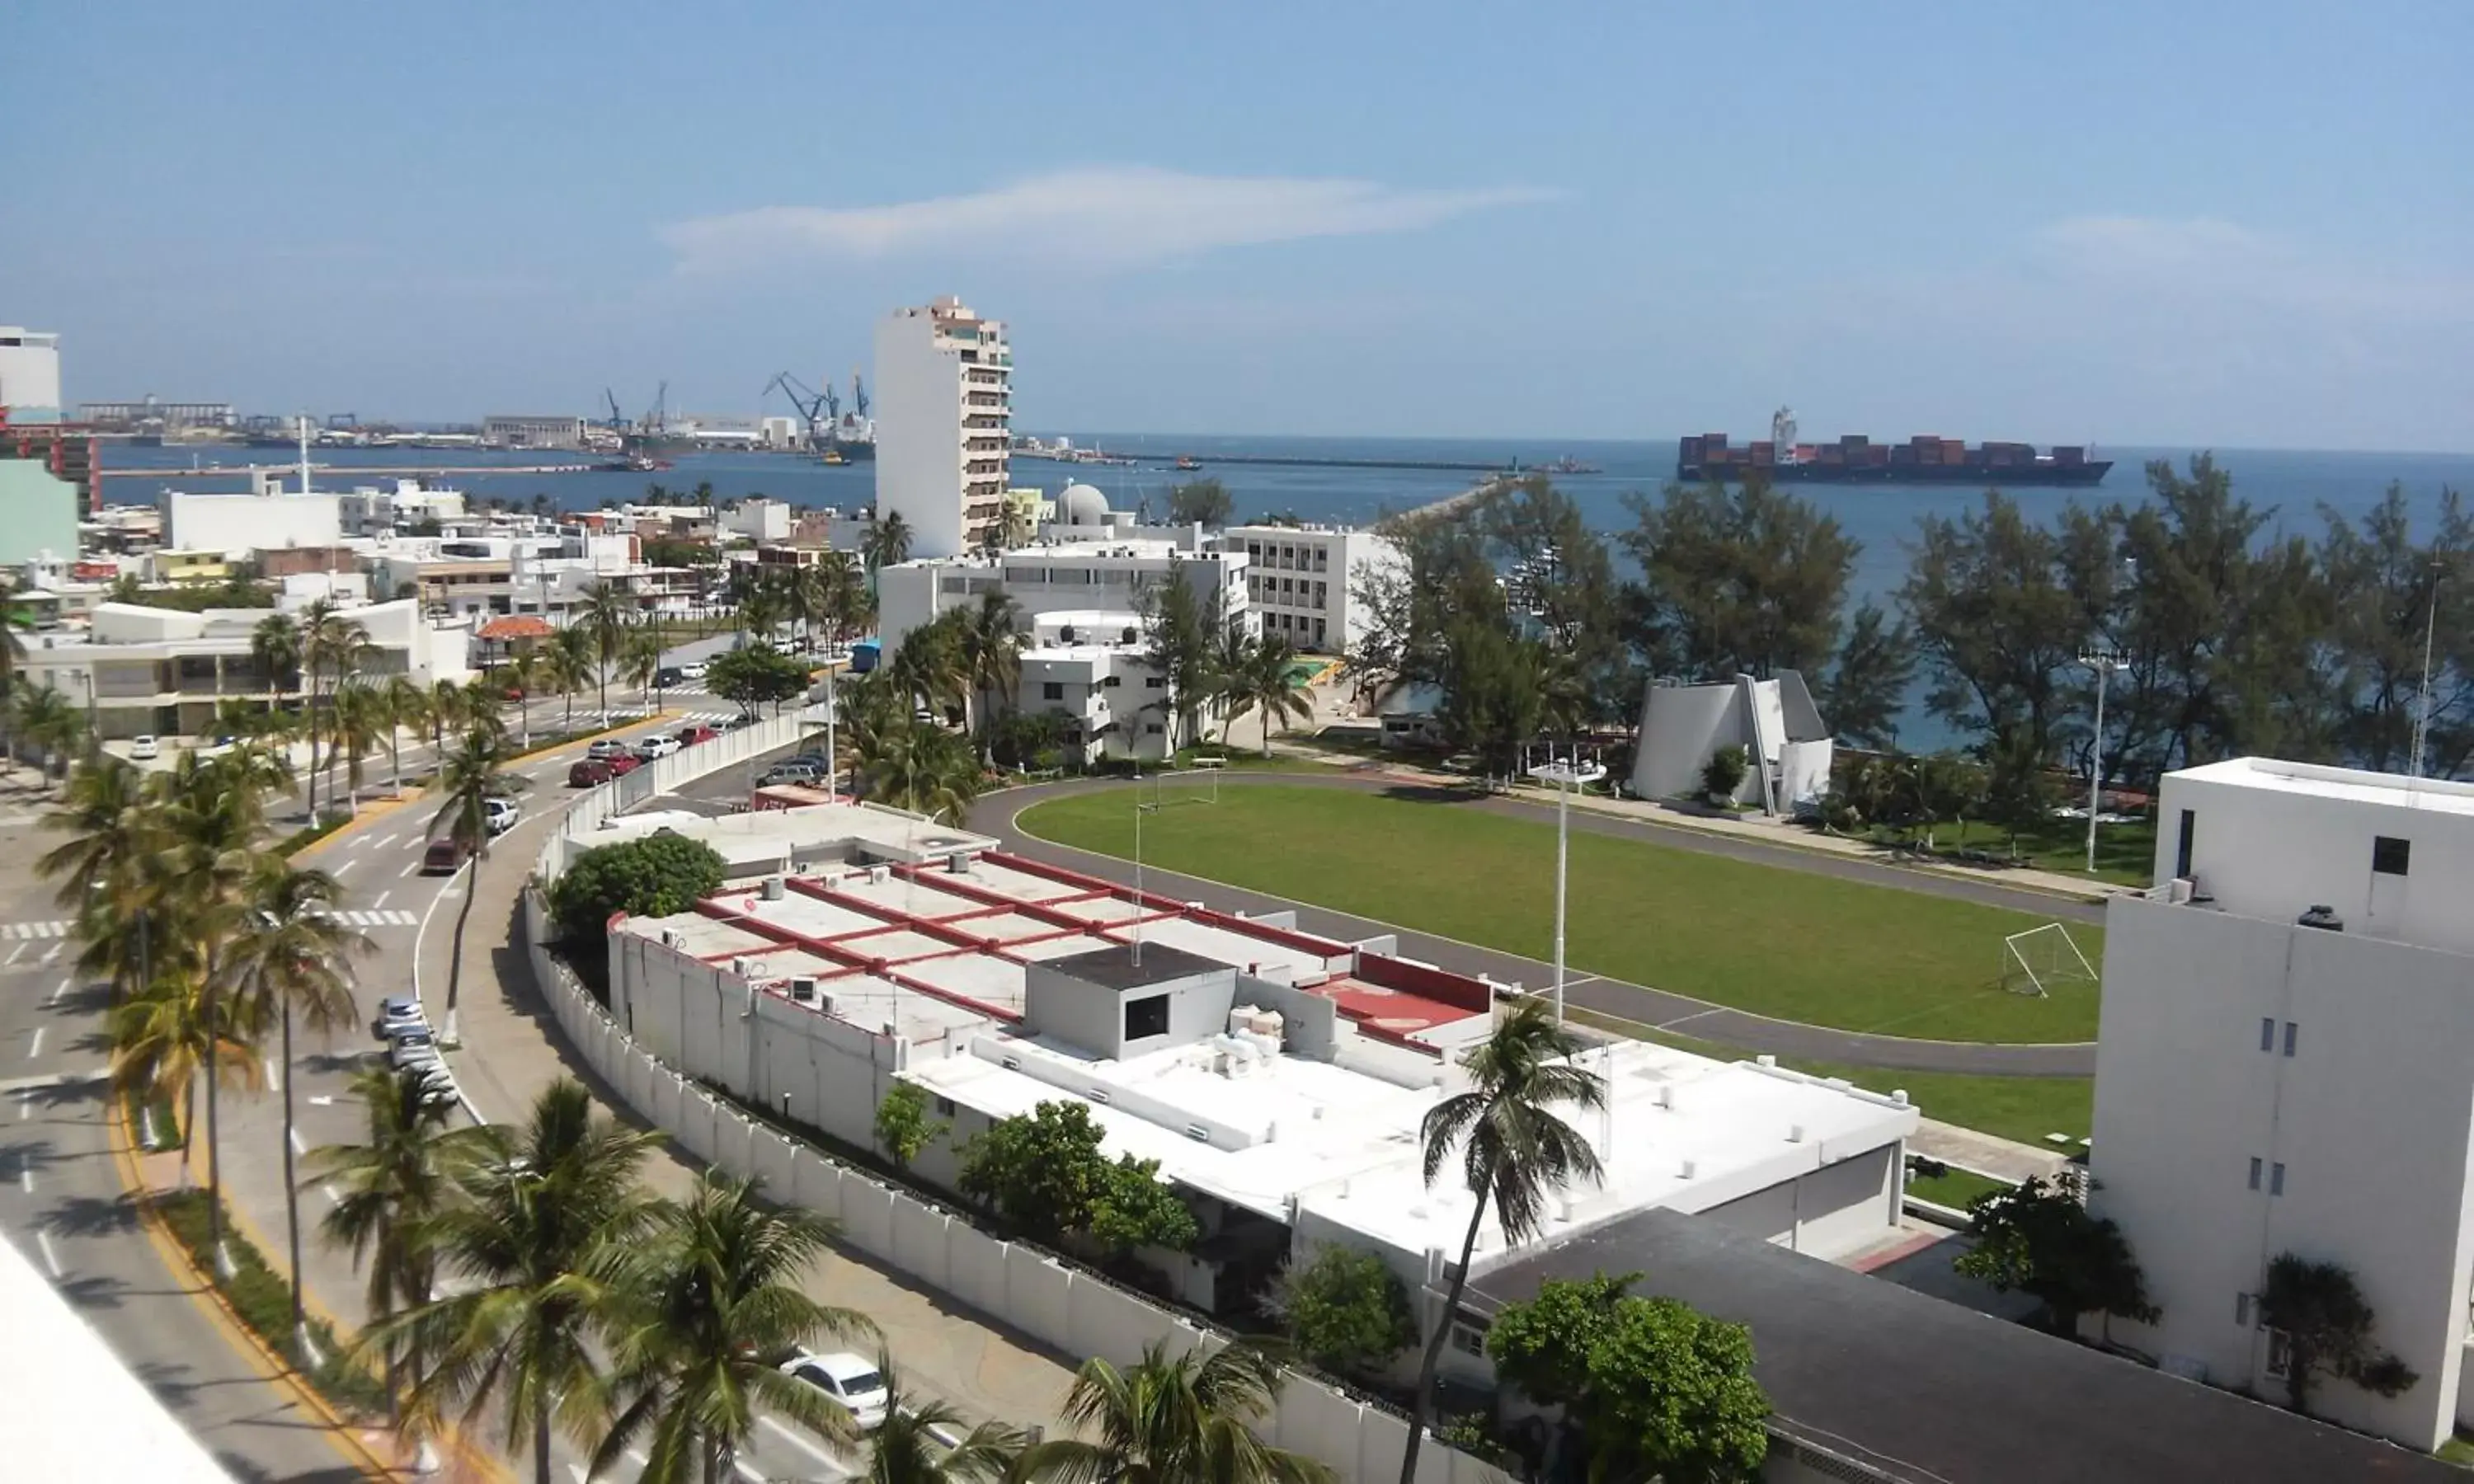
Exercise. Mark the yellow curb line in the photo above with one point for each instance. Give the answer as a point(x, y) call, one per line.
point(273, 1367)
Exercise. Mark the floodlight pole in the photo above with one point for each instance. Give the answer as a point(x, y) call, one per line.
point(1566, 777)
point(2422, 714)
point(2104, 662)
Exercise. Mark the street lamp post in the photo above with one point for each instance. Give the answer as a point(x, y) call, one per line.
point(1566, 777)
point(2103, 663)
point(2429, 626)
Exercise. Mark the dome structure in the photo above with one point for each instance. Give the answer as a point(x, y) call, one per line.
point(1082, 505)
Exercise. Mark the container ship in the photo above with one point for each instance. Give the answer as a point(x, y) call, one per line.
point(1855, 459)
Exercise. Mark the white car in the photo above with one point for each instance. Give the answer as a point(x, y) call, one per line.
point(694, 669)
point(849, 1381)
point(656, 747)
point(606, 749)
point(499, 815)
point(412, 1048)
point(144, 749)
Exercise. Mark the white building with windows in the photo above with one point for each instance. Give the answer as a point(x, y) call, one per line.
point(1305, 580)
point(1065, 576)
point(2285, 1064)
point(512, 431)
point(944, 409)
point(370, 511)
point(29, 374)
point(1089, 666)
point(269, 518)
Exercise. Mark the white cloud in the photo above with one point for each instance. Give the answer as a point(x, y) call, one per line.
point(1104, 216)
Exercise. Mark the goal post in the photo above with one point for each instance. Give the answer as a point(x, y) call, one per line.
point(2034, 961)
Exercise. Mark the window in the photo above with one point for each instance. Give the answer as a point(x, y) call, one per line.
point(2254, 1174)
point(944, 1108)
point(2280, 1353)
point(1154, 682)
point(1147, 1017)
point(2289, 1037)
point(1052, 690)
point(1153, 729)
point(2276, 1179)
point(1469, 1333)
point(2268, 1033)
point(2389, 855)
point(2182, 846)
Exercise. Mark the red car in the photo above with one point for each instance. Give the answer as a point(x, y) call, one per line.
point(623, 764)
point(588, 773)
point(691, 735)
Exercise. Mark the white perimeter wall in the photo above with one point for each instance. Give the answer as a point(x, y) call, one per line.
point(2370, 1117)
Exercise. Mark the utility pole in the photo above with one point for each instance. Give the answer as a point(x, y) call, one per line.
point(2103, 663)
point(1566, 777)
point(2430, 625)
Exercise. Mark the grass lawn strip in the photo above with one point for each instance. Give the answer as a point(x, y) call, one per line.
point(1956, 1190)
point(1792, 945)
point(263, 1300)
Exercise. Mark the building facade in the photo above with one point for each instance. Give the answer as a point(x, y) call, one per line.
point(266, 517)
point(29, 374)
point(943, 408)
point(39, 513)
point(1087, 666)
point(508, 431)
point(1305, 581)
point(2285, 1064)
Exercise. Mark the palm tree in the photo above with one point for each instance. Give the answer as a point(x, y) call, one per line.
point(539, 1238)
point(605, 613)
point(640, 660)
point(470, 776)
point(525, 670)
point(449, 702)
point(989, 647)
point(931, 664)
point(45, 717)
point(910, 1447)
point(360, 722)
point(566, 665)
point(331, 646)
point(887, 543)
point(275, 645)
point(714, 1300)
point(12, 652)
point(1259, 679)
point(289, 954)
point(164, 1037)
point(1514, 1154)
point(112, 840)
point(926, 770)
point(391, 1188)
point(407, 709)
point(1181, 1418)
point(762, 610)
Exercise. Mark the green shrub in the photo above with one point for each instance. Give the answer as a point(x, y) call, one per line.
point(654, 876)
point(1724, 773)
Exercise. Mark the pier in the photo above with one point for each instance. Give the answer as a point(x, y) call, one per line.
point(1291, 461)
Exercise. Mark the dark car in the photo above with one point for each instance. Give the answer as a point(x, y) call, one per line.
point(742, 719)
point(669, 675)
point(587, 773)
point(446, 855)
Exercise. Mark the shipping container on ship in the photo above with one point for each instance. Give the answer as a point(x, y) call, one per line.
point(1926, 457)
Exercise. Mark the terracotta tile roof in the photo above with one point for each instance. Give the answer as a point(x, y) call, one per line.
point(517, 626)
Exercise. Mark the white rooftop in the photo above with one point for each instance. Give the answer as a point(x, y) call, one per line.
point(2387, 790)
point(1682, 1130)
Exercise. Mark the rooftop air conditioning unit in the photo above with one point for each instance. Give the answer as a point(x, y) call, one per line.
point(803, 990)
point(671, 939)
point(958, 863)
point(878, 875)
point(773, 887)
point(1198, 1133)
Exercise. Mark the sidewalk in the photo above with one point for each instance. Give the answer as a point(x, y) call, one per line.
point(512, 1051)
point(1985, 1152)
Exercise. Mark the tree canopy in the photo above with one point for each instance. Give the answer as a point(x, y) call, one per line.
point(653, 876)
point(2040, 1239)
point(1043, 1172)
point(756, 675)
point(1346, 1311)
point(1202, 502)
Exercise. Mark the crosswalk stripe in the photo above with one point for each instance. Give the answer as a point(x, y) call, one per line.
point(28, 931)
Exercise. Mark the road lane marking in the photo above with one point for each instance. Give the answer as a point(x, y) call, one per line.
point(300, 1145)
point(26, 1176)
point(49, 954)
point(390, 837)
point(322, 1100)
point(382, 897)
point(273, 1078)
point(51, 1259)
point(406, 873)
point(57, 989)
point(35, 1047)
point(343, 865)
point(16, 952)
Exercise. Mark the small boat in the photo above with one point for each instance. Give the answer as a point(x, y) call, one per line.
point(1187, 461)
point(835, 455)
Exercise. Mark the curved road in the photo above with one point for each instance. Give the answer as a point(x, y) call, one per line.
point(997, 814)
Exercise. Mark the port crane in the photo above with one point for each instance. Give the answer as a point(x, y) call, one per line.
point(819, 408)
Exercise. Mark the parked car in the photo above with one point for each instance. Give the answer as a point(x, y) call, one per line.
point(669, 675)
point(590, 773)
point(398, 1013)
point(694, 669)
point(850, 1382)
point(412, 1048)
point(623, 764)
point(606, 749)
point(499, 815)
point(806, 773)
point(743, 719)
point(144, 749)
point(446, 855)
point(656, 747)
point(690, 736)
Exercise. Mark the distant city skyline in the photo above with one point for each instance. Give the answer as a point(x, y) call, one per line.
point(2129, 225)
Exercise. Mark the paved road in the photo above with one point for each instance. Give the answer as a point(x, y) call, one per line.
point(996, 815)
point(63, 1203)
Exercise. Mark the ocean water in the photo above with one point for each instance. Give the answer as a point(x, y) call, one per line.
point(2294, 483)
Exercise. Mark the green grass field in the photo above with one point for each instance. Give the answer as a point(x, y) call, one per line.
point(1788, 944)
point(1956, 1190)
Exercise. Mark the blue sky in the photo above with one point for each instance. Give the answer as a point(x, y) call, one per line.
point(2242, 226)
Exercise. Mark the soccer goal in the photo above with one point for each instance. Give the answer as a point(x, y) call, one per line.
point(2036, 959)
point(1198, 785)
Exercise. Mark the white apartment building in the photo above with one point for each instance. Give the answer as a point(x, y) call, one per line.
point(1301, 580)
point(370, 511)
point(2286, 1063)
point(504, 431)
point(758, 520)
point(139, 670)
point(943, 408)
point(29, 374)
point(267, 517)
point(1088, 665)
point(1075, 576)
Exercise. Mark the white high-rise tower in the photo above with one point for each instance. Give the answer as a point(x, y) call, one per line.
point(944, 408)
